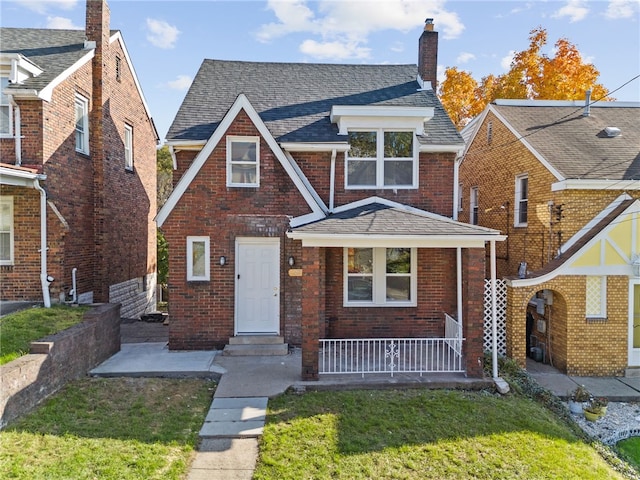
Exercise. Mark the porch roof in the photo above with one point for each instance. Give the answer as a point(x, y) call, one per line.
point(384, 223)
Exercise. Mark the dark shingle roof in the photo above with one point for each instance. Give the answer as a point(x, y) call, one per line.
point(379, 219)
point(295, 99)
point(51, 50)
point(577, 145)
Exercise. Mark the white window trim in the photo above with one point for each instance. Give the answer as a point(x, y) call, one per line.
point(460, 197)
point(474, 205)
point(379, 284)
point(5, 199)
point(603, 298)
point(380, 159)
point(8, 134)
point(128, 147)
point(518, 200)
point(207, 259)
point(85, 124)
point(230, 140)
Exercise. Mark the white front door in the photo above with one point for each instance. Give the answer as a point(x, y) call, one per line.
point(634, 324)
point(257, 286)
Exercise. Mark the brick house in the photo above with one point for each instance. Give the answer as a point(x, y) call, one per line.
point(561, 180)
point(313, 202)
point(78, 172)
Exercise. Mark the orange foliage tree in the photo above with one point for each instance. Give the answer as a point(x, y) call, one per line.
point(532, 75)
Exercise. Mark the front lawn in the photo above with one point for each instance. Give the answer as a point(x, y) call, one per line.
point(417, 434)
point(116, 428)
point(630, 450)
point(19, 329)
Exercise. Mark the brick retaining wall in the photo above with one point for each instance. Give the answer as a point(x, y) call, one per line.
point(58, 359)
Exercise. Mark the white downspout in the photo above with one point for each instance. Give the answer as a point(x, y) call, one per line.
point(17, 130)
point(332, 180)
point(494, 312)
point(45, 281)
point(459, 282)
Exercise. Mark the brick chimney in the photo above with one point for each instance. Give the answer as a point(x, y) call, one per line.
point(428, 54)
point(97, 30)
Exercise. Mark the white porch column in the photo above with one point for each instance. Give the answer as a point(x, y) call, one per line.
point(459, 282)
point(494, 315)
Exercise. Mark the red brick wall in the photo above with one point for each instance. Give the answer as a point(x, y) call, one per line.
point(111, 237)
point(436, 296)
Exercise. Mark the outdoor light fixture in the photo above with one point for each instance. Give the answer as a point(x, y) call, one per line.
point(223, 260)
point(635, 266)
point(292, 261)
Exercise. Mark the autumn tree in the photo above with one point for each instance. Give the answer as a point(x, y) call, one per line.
point(533, 75)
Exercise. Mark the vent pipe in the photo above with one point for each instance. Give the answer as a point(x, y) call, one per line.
point(587, 104)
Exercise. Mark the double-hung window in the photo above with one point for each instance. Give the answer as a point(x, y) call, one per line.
point(243, 161)
point(82, 124)
point(522, 200)
point(128, 147)
point(473, 205)
point(6, 112)
point(198, 264)
point(6, 230)
point(380, 276)
point(381, 159)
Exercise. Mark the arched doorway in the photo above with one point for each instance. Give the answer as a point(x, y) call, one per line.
point(546, 328)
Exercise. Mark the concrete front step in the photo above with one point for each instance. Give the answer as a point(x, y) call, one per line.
point(256, 350)
point(632, 372)
point(256, 340)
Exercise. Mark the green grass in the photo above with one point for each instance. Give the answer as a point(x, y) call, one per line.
point(418, 434)
point(630, 451)
point(120, 428)
point(19, 329)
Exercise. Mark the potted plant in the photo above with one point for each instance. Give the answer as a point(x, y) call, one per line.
point(593, 411)
point(577, 398)
point(601, 402)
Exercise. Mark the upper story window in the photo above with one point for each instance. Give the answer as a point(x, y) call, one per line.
point(82, 124)
point(381, 159)
point(460, 197)
point(6, 230)
point(380, 277)
point(489, 132)
point(522, 200)
point(198, 264)
point(243, 161)
point(6, 110)
point(473, 205)
point(128, 147)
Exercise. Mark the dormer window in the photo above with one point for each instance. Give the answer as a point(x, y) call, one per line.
point(381, 159)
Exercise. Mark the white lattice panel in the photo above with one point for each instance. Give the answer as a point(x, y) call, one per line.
point(501, 312)
point(594, 295)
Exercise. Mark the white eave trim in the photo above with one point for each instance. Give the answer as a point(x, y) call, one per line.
point(46, 93)
point(349, 117)
point(575, 184)
point(19, 178)
point(454, 148)
point(241, 103)
point(178, 145)
point(17, 60)
point(419, 241)
point(315, 147)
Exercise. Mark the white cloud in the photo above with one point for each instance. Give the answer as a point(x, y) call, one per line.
point(576, 10)
point(505, 63)
point(62, 23)
point(622, 9)
point(161, 34)
point(182, 82)
point(343, 27)
point(397, 47)
point(465, 57)
point(333, 50)
point(43, 6)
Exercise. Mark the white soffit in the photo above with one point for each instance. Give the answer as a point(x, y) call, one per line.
point(349, 117)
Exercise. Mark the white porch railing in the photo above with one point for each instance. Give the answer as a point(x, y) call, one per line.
point(453, 333)
point(393, 355)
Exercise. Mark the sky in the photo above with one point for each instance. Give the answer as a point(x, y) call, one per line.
point(168, 40)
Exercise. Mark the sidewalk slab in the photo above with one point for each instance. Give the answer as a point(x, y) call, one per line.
point(610, 387)
point(245, 429)
point(235, 414)
point(225, 459)
point(240, 402)
point(632, 382)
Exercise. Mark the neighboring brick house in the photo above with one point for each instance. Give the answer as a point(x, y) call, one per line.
point(78, 172)
point(560, 179)
point(314, 201)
